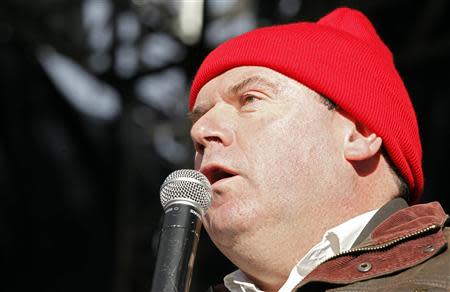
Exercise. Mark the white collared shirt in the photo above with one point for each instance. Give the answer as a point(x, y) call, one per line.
point(334, 241)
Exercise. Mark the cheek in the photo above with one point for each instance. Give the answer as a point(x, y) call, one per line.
point(289, 155)
point(237, 216)
point(278, 144)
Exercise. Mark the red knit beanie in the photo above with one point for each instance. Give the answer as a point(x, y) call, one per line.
point(341, 57)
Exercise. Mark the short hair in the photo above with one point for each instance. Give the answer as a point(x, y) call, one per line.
point(403, 188)
point(331, 105)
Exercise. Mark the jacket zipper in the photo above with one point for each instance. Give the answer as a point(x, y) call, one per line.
point(384, 245)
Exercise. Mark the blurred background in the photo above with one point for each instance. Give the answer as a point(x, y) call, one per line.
point(93, 102)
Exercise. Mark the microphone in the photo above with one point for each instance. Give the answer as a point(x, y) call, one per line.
point(185, 197)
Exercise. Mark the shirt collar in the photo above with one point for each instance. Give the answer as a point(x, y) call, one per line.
point(334, 241)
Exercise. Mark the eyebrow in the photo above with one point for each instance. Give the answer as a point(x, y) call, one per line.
point(196, 114)
point(234, 90)
point(256, 79)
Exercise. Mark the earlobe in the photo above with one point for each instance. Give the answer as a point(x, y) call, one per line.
point(358, 147)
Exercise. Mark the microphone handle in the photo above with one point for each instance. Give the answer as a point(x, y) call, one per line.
point(177, 248)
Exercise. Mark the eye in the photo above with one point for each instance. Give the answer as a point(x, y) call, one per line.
point(248, 99)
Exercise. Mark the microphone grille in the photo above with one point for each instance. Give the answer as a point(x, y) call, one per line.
point(188, 185)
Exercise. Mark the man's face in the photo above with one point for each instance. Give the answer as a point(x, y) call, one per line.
point(270, 149)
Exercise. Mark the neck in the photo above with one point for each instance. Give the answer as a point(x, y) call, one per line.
point(268, 256)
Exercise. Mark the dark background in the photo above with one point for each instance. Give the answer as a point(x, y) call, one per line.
point(93, 97)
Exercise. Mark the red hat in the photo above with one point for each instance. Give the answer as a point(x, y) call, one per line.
point(341, 57)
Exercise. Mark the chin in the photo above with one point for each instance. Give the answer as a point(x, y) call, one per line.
point(226, 226)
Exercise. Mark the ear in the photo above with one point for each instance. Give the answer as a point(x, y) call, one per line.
point(361, 144)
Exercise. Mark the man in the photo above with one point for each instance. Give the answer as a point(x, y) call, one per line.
point(309, 139)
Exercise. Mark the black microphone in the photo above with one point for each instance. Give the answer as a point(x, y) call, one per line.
point(185, 197)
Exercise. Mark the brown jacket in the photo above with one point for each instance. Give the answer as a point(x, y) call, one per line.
point(401, 249)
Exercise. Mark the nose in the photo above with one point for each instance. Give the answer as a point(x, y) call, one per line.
point(215, 126)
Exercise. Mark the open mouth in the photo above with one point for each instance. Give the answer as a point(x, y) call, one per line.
point(215, 174)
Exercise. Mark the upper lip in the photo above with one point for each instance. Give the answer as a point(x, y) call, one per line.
point(215, 172)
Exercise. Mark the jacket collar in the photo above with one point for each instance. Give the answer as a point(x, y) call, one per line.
point(382, 214)
point(403, 236)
